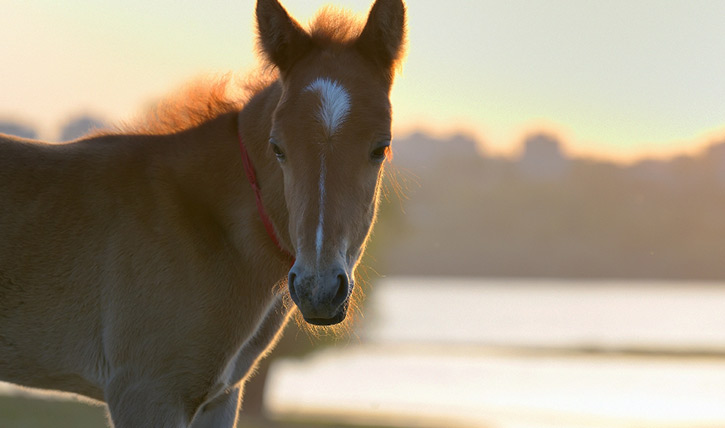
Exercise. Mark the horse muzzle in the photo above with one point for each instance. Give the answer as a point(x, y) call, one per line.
point(321, 295)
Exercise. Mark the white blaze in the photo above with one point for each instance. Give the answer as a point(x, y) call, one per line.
point(321, 215)
point(333, 111)
point(334, 103)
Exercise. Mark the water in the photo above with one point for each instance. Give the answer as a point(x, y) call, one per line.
point(549, 313)
point(522, 354)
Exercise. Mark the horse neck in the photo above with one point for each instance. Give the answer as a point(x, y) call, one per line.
point(207, 166)
point(255, 122)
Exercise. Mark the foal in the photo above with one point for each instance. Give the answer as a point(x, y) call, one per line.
point(140, 269)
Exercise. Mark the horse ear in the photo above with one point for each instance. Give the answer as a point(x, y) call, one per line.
point(281, 38)
point(383, 37)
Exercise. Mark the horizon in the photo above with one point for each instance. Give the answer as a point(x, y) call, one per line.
point(652, 88)
point(79, 123)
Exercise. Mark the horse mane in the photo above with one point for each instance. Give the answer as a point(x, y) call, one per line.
point(199, 101)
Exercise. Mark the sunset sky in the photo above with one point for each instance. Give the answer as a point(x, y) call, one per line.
point(616, 79)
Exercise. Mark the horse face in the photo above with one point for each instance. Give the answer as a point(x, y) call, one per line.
point(331, 139)
point(331, 135)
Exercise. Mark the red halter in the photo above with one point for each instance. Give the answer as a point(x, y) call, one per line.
point(252, 178)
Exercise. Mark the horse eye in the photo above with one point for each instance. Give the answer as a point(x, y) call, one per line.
point(278, 152)
point(380, 153)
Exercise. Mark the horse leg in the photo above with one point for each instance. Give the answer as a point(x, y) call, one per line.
point(263, 340)
point(221, 412)
point(143, 403)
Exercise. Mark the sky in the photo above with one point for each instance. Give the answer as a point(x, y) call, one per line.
point(617, 79)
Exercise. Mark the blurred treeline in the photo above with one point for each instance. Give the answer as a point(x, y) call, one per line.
point(72, 129)
point(545, 214)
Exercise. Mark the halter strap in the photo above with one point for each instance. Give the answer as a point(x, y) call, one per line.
point(252, 179)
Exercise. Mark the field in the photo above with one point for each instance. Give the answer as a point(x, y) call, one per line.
point(19, 411)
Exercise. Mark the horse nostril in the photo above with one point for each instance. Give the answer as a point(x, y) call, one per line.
point(342, 290)
point(291, 285)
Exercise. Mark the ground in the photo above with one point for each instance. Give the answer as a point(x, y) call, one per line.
point(26, 412)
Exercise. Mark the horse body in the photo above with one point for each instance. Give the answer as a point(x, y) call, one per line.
point(135, 268)
point(112, 257)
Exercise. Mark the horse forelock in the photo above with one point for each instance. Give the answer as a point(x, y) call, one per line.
point(333, 25)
